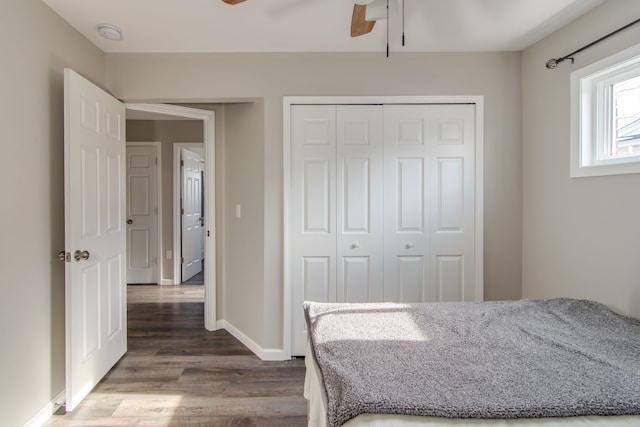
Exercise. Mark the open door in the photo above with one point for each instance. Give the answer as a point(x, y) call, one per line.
point(95, 235)
point(192, 214)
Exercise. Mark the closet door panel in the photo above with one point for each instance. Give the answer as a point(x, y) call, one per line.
point(359, 203)
point(313, 212)
point(406, 203)
point(453, 206)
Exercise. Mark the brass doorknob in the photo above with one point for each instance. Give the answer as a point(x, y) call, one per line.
point(78, 255)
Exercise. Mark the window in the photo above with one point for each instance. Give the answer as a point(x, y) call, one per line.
point(605, 116)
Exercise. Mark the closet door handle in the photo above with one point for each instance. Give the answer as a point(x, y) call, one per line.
point(409, 245)
point(355, 245)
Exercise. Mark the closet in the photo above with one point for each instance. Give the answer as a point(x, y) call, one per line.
point(381, 205)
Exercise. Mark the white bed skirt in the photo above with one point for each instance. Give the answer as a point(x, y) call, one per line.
point(317, 412)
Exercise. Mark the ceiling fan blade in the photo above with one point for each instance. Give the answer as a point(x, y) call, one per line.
point(360, 26)
point(232, 1)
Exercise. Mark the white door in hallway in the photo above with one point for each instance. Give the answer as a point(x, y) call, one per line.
point(142, 214)
point(95, 235)
point(192, 214)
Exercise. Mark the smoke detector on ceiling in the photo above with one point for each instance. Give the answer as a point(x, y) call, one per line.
point(110, 32)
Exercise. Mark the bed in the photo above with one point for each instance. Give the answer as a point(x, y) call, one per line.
point(544, 362)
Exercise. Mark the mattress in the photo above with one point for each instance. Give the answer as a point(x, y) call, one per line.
point(316, 392)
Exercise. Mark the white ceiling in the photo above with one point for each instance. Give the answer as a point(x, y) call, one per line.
point(316, 25)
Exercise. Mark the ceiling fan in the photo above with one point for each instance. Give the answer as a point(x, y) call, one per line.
point(365, 13)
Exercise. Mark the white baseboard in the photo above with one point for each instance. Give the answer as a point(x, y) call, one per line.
point(267, 354)
point(166, 282)
point(45, 413)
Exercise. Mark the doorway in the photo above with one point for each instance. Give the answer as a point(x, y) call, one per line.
point(208, 122)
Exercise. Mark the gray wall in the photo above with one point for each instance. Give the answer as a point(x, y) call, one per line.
point(166, 132)
point(258, 178)
point(581, 235)
point(36, 45)
point(244, 302)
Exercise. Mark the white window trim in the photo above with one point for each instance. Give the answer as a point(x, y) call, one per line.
point(584, 161)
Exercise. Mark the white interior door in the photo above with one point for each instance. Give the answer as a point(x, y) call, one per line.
point(359, 203)
point(429, 203)
point(313, 211)
point(452, 231)
point(337, 210)
point(192, 215)
point(95, 239)
point(407, 198)
point(142, 214)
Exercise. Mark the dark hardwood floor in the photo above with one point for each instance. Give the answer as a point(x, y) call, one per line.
point(176, 373)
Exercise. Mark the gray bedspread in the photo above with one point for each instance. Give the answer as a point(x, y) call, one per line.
point(515, 359)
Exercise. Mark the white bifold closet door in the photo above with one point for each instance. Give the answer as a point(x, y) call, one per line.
point(429, 193)
point(336, 209)
point(382, 205)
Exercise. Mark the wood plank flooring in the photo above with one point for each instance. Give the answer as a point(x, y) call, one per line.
point(176, 373)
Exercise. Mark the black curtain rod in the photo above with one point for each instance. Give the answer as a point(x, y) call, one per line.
point(553, 62)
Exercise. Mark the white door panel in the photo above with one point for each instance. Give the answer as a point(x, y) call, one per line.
point(410, 280)
point(313, 214)
point(359, 203)
point(453, 208)
point(95, 279)
point(192, 215)
point(406, 206)
point(142, 215)
point(449, 273)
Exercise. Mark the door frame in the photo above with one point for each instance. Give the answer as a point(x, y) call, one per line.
point(158, 146)
point(209, 126)
point(177, 190)
point(289, 101)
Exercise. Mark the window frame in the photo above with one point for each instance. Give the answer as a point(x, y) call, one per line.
point(591, 124)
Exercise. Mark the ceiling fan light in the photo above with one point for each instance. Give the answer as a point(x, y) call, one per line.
point(377, 9)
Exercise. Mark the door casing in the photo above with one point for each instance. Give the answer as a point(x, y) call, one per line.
point(208, 123)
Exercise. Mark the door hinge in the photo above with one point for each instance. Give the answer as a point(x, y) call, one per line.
point(181, 162)
point(181, 260)
point(182, 211)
